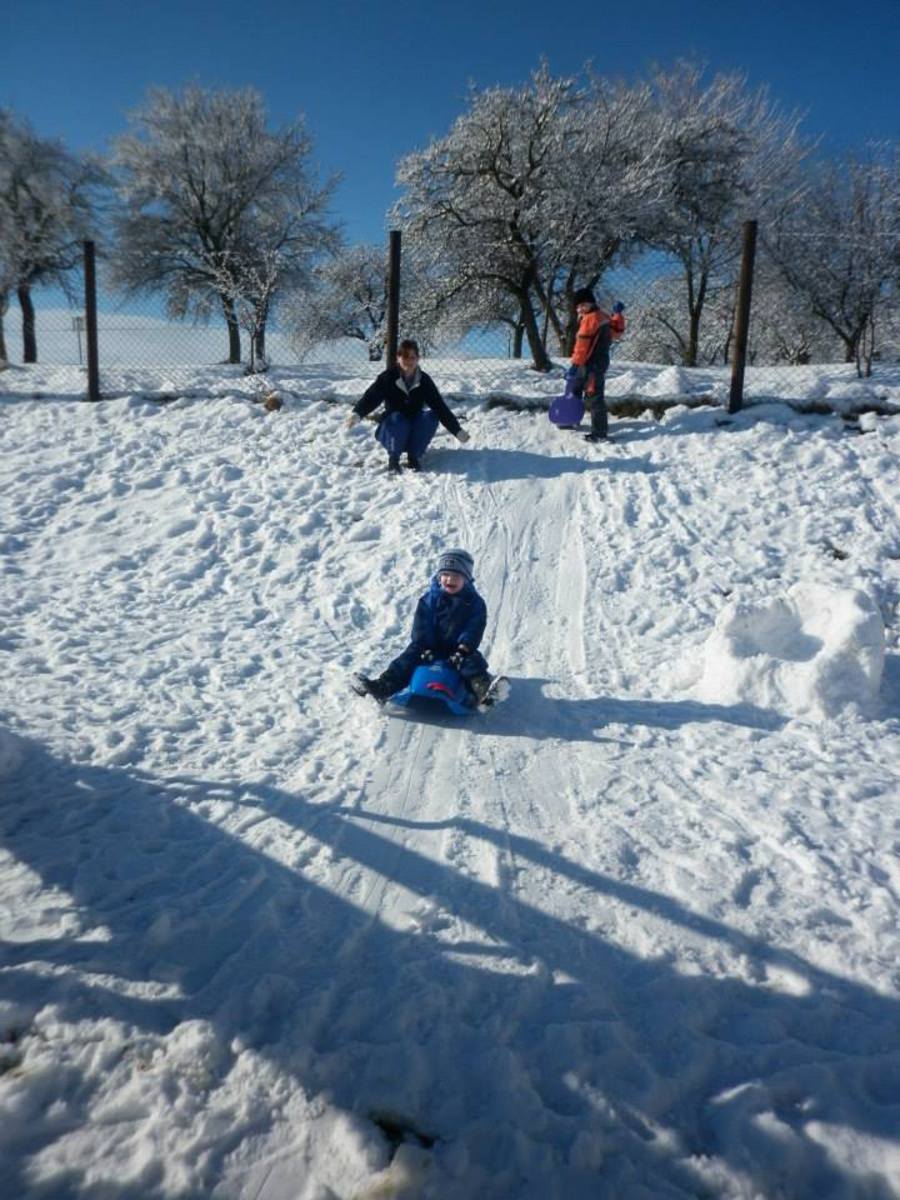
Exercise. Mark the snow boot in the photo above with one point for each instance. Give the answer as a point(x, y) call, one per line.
point(393, 465)
point(480, 686)
point(413, 463)
point(379, 689)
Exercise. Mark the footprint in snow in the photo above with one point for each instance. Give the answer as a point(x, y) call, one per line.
point(365, 533)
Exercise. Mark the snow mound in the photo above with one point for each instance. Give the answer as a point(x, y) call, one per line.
point(809, 653)
point(673, 381)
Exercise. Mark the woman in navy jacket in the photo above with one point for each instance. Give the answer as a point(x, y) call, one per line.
point(412, 409)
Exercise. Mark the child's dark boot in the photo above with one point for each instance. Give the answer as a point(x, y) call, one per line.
point(379, 689)
point(480, 685)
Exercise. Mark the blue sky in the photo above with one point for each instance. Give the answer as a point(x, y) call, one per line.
point(377, 80)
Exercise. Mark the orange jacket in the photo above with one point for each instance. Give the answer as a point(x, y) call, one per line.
point(589, 332)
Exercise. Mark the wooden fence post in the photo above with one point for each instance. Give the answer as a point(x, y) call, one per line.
point(393, 298)
point(742, 318)
point(90, 322)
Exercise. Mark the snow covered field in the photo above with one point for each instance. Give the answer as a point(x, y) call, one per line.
point(632, 935)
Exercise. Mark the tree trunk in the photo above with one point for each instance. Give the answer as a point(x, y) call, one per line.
point(29, 337)
point(868, 345)
point(259, 335)
point(234, 330)
point(567, 340)
point(540, 358)
point(3, 306)
point(518, 339)
point(696, 301)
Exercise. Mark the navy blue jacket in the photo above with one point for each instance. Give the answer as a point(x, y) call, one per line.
point(387, 390)
point(443, 621)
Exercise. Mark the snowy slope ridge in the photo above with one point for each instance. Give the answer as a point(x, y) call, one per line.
point(633, 934)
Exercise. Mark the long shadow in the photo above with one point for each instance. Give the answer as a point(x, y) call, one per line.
point(582, 1044)
point(523, 464)
point(530, 713)
point(890, 685)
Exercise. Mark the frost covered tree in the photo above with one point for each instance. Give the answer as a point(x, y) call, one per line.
point(347, 298)
point(730, 155)
point(250, 280)
point(473, 197)
point(5, 288)
point(783, 328)
point(530, 196)
point(657, 329)
point(836, 246)
point(48, 199)
point(605, 197)
point(205, 188)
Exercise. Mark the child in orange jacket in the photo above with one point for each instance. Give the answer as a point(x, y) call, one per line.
point(590, 358)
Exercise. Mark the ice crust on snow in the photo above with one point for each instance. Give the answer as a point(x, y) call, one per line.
point(808, 653)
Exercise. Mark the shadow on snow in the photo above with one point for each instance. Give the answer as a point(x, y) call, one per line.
point(576, 1039)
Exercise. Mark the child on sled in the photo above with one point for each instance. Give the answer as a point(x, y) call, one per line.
point(448, 624)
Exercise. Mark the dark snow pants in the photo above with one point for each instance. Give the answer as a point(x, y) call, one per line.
point(589, 384)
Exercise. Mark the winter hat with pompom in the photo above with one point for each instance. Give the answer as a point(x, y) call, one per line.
point(460, 561)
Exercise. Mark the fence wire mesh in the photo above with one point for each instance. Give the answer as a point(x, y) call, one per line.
point(667, 356)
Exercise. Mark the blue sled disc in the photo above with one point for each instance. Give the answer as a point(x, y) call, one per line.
point(438, 682)
point(566, 410)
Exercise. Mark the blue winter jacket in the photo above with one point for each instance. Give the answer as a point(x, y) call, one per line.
point(443, 622)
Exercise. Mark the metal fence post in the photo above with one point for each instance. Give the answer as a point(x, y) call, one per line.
point(90, 322)
point(742, 317)
point(393, 299)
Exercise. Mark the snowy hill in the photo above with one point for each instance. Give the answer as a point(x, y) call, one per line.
point(633, 934)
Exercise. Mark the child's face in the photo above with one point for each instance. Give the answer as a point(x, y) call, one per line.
point(451, 581)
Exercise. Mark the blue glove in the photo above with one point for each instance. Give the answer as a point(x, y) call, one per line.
point(618, 307)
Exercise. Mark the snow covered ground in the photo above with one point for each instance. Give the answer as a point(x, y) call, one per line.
point(632, 935)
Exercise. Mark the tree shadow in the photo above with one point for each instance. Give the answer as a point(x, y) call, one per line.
point(890, 685)
point(556, 1062)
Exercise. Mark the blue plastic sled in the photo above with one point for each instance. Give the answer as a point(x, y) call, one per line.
point(566, 410)
point(439, 683)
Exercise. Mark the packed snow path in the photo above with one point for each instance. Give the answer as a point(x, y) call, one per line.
point(606, 940)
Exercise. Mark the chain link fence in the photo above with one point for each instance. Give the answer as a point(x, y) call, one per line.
point(668, 355)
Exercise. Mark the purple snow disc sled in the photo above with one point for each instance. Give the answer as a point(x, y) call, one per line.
point(566, 410)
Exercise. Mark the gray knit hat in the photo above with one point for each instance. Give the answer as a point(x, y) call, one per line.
point(460, 561)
